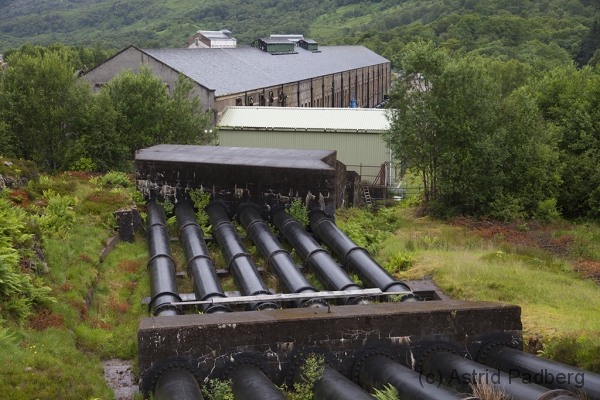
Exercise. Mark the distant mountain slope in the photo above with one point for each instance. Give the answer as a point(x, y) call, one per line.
point(168, 23)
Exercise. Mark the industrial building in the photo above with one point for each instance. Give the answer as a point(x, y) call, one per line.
point(354, 133)
point(211, 40)
point(307, 76)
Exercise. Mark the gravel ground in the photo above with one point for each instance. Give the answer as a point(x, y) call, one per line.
point(119, 375)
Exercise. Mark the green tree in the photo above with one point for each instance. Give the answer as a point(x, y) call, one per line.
point(531, 169)
point(570, 100)
point(99, 141)
point(147, 116)
point(442, 122)
point(42, 104)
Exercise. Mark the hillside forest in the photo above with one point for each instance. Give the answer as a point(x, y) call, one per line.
point(542, 32)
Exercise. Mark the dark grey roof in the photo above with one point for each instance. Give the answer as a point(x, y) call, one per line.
point(242, 69)
point(248, 156)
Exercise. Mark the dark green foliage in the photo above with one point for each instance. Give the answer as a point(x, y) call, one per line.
point(480, 147)
point(569, 99)
point(49, 116)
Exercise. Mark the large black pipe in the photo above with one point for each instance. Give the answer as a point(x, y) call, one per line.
point(278, 260)
point(334, 386)
point(201, 267)
point(240, 264)
point(356, 257)
point(161, 268)
point(377, 372)
point(328, 272)
point(177, 384)
point(249, 383)
point(459, 372)
point(548, 373)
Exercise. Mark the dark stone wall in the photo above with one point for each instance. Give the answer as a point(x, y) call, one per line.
point(403, 330)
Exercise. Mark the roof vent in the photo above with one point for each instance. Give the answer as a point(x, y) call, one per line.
point(275, 46)
point(308, 44)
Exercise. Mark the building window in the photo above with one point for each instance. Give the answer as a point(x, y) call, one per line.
point(238, 102)
point(261, 101)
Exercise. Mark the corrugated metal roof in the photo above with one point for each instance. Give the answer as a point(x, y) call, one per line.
point(242, 69)
point(301, 118)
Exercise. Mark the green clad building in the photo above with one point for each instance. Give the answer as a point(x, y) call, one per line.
point(354, 133)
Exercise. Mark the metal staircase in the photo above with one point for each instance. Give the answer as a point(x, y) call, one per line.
point(366, 195)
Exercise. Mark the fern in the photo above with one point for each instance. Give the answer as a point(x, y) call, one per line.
point(388, 393)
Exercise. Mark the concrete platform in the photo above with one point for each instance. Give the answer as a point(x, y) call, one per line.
point(403, 330)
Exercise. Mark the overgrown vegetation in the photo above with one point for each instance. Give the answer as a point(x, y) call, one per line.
point(64, 309)
point(527, 142)
point(50, 116)
point(312, 370)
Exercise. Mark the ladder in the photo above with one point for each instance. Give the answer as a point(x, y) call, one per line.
point(367, 195)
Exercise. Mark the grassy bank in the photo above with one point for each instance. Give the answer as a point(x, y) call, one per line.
point(539, 268)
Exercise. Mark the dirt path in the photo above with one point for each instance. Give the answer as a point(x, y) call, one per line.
point(119, 375)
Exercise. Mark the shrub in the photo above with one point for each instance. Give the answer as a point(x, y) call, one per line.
point(201, 200)
point(298, 211)
point(218, 390)
point(115, 178)
point(312, 371)
point(399, 261)
point(19, 292)
point(546, 211)
point(58, 216)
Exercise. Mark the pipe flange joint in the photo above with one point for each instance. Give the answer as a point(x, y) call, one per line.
point(314, 303)
point(238, 255)
point(275, 210)
point(245, 359)
point(488, 347)
point(259, 209)
point(429, 351)
point(154, 257)
point(187, 225)
point(356, 367)
point(152, 375)
point(167, 306)
point(221, 204)
point(408, 296)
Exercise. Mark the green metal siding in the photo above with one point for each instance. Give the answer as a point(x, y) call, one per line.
point(352, 148)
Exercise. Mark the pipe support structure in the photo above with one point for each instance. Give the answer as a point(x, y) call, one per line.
point(355, 257)
point(240, 264)
point(278, 260)
point(201, 267)
point(327, 271)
